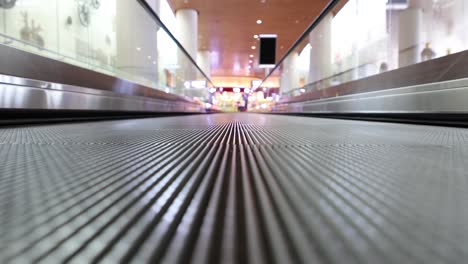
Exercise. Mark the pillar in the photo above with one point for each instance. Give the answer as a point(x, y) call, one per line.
point(290, 74)
point(136, 34)
point(187, 34)
point(187, 30)
point(2, 26)
point(321, 53)
point(410, 39)
point(204, 61)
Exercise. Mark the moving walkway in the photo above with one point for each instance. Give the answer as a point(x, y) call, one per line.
point(107, 163)
point(233, 188)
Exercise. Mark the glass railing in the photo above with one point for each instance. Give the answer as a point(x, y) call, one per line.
point(358, 39)
point(121, 38)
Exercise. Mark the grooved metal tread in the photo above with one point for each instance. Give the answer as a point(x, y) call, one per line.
point(233, 188)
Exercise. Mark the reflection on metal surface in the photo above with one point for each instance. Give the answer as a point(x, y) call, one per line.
point(48, 96)
point(30, 68)
point(126, 43)
point(442, 97)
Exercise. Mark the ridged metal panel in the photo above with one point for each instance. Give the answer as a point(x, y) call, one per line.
point(23, 93)
point(233, 188)
point(31, 98)
point(441, 97)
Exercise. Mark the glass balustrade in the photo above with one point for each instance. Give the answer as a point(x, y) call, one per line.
point(114, 37)
point(359, 39)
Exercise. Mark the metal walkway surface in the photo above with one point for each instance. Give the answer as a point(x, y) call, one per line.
point(233, 188)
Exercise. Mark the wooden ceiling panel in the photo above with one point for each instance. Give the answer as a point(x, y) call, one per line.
point(227, 27)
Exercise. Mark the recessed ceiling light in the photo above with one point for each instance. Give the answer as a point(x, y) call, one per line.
point(249, 67)
point(259, 21)
point(250, 61)
point(138, 48)
point(253, 47)
point(251, 56)
point(255, 36)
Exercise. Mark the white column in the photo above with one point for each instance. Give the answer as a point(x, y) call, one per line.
point(136, 34)
point(187, 30)
point(457, 38)
point(289, 79)
point(321, 53)
point(2, 26)
point(155, 5)
point(204, 61)
point(187, 34)
point(410, 38)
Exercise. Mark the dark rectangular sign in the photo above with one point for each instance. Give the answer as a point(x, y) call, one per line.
point(267, 51)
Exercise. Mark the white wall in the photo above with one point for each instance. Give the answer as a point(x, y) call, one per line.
point(94, 44)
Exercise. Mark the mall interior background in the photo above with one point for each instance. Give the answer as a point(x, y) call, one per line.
point(360, 39)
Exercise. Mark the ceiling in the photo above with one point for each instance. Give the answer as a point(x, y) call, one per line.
point(227, 27)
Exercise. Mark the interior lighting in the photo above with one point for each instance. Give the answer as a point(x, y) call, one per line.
point(255, 36)
point(253, 47)
point(259, 21)
point(251, 56)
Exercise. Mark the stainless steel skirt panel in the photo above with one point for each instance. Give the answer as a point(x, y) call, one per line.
point(57, 97)
point(442, 97)
point(24, 68)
